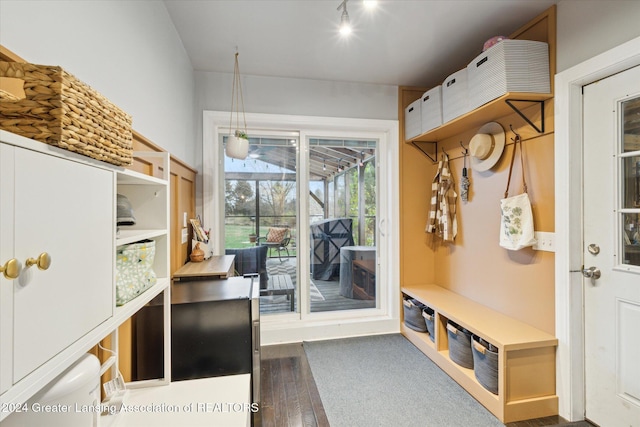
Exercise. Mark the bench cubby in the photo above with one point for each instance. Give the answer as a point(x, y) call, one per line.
point(526, 355)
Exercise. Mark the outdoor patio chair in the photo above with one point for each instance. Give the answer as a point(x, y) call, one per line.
point(251, 261)
point(278, 238)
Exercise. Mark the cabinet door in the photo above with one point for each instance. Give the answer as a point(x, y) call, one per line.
point(66, 209)
point(6, 253)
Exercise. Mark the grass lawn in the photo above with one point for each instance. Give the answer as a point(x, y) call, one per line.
point(237, 236)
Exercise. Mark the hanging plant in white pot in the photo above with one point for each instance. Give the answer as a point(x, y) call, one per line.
point(238, 141)
point(237, 145)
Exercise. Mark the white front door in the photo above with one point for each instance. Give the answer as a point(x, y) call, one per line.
point(611, 206)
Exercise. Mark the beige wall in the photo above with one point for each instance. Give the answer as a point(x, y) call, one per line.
point(519, 284)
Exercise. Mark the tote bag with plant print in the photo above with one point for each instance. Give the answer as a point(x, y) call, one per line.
point(516, 223)
point(134, 270)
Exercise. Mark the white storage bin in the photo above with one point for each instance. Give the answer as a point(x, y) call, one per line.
point(412, 119)
point(431, 109)
point(75, 394)
point(455, 96)
point(508, 66)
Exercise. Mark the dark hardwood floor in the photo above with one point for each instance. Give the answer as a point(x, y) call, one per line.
point(290, 396)
point(289, 393)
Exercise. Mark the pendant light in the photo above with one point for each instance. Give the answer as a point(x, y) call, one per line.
point(238, 141)
point(345, 24)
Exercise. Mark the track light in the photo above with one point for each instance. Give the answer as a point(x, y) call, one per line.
point(324, 165)
point(345, 24)
point(370, 4)
point(361, 159)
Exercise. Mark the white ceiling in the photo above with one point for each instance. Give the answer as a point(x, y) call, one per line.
point(414, 43)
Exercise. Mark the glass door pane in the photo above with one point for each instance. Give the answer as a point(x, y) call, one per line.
point(630, 180)
point(342, 217)
point(261, 218)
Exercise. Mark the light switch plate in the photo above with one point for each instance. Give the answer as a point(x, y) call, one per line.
point(184, 220)
point(185, 235)
point(546, 241)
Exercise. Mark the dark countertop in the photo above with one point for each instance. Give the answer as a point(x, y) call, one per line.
point(211, 290)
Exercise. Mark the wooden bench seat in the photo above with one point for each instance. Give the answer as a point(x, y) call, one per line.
point(526, 355)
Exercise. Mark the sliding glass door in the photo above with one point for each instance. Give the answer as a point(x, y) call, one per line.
point(315, 196)
point(260, 216)
point(342, 220)
point(261, 211)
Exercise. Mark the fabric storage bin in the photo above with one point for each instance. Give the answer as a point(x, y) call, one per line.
point(134, 270)
point(429, 316)
point(431, 109)
point(413, 315)
point(455, 96)
point(485, 363)
point(508, 66)
point(412, 120)
point(58, 109)
point(459, 345)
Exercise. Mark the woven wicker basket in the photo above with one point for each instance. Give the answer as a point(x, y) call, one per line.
point(61, 110)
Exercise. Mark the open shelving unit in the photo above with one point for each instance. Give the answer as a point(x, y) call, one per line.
point(526, 355)
point(149, 198)
point(497, 108)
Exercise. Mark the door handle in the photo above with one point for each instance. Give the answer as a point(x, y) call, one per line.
point(591, 273)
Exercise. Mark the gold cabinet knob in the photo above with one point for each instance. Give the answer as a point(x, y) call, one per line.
point(43, 261)
point(11, 269)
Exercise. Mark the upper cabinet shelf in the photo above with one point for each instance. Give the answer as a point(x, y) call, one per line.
point(476, 118)
point(541, 29)
point(129, 177)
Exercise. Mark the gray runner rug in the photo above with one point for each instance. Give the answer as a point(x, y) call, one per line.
point(384, 380)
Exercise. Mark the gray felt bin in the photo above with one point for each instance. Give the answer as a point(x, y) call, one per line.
point(485, 363)
point(459, 345)
point(413, 315)
point(429, 316)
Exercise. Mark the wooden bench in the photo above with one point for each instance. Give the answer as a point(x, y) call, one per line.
point(280, 284)
point(526, 355)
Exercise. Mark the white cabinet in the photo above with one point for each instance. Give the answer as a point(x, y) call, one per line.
point(64, 209)
point(64, 205)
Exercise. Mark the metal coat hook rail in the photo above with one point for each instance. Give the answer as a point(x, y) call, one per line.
point(464, 148)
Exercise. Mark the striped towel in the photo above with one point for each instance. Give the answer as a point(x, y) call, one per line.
point(442, 214)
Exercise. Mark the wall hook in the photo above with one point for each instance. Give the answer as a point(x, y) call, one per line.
point(466, 150)
point(516, 133)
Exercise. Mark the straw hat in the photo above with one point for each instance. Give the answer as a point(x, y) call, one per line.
point(486, 146)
